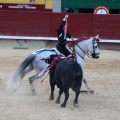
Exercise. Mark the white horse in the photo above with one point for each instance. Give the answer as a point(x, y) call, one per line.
point(33, 61)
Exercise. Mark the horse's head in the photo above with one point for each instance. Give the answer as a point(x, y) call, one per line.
point(93, 48)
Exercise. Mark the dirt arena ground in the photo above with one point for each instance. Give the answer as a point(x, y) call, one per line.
point(102, 74)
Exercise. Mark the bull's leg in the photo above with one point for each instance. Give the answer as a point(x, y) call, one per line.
point(87, 85)
point(66, 98)
point(52, 84)
point(31, 79)
point(76, 98)
point(59, 96)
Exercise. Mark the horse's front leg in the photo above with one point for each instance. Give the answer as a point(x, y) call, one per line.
point(31, 79)
point(87, 85)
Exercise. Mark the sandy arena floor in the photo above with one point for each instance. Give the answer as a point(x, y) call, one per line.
point(102, 74)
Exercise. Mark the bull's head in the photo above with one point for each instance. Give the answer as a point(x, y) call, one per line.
point(49, 59)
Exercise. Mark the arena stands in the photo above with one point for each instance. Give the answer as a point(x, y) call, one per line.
point(48, 4)
point(25, 5)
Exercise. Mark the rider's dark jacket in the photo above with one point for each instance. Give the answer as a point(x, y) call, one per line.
point(61, 45)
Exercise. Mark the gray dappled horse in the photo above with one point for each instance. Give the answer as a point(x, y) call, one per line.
point(82, 48)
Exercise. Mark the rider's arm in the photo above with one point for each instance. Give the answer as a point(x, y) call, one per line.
point(63, 22)
point(69, 36)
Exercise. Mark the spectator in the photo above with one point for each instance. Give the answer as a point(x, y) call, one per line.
point(32, 1)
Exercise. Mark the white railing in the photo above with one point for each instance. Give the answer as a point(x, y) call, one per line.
point(51, 38)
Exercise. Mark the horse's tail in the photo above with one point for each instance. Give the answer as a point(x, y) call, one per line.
point(15, 80)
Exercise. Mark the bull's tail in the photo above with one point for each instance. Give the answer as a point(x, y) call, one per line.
point(78, 75)
point(77, 72)
point(15, 80)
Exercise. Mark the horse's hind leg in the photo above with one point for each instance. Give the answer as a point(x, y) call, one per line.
point(87, 85)
point(31, 79)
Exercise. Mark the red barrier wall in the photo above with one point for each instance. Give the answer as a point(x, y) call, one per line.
point(107, 26)
point(36, 23)
point(24, 23)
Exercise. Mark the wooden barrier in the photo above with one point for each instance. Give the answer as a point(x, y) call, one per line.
point(22, 42)
point(44, 24)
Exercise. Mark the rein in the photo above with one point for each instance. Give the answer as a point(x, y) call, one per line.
point(88, 54)
point(80, 39)
point(80, 55)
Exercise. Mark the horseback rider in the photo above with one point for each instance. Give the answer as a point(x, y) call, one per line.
point(62, 35)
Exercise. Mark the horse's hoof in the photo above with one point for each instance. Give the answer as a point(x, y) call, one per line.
point(33, 92)
point(92, 91)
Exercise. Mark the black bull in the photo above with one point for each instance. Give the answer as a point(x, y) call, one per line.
point(65, 74)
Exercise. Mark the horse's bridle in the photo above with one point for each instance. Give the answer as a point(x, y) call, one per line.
point(94, 41)
point(92, 55)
